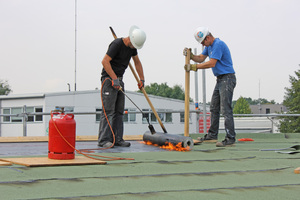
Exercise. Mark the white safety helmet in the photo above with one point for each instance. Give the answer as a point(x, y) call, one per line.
point(137, 37)
point(201, 33)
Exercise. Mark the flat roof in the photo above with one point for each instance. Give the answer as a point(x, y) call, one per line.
point(21, 96)
point(207, 172)
point(42, 95)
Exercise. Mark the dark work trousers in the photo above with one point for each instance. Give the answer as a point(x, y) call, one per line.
point(113, 102)
point(221, 101)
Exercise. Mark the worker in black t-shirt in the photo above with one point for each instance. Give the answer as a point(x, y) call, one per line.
point(115, 62)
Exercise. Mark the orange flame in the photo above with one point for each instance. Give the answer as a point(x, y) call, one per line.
point(170, 146)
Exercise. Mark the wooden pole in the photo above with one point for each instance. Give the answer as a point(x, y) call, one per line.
point(149, 102)
point(187, 96)
point(143, 90)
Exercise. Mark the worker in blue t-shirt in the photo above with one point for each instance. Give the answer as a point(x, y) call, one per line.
point(115, 62)
point(221, 64)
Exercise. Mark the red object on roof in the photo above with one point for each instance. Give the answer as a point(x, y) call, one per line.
point(245, 139)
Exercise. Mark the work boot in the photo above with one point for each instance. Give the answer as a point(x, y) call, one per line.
point(122, 143)
point(226, 143)
point(106, 145)
point(207, 138)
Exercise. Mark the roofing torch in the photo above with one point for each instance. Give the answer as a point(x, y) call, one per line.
point(151, 128)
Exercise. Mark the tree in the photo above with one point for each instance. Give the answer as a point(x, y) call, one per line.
point(241, 107)
point(292, 102)
point(164, 90)
point(4, 88)
point(261, 101)
point(256, 101)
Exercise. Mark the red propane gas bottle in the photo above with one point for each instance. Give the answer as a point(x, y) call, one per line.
point(57, 146)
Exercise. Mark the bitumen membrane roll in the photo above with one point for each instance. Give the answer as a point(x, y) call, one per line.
point(163, 138)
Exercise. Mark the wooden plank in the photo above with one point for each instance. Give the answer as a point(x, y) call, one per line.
point(133, 137)
point(86, 137)
point(24, 139)
point(78, 138)
point(45, 161)
point(4, 163)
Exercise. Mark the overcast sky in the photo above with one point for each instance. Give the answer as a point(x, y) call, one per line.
point(37, 42)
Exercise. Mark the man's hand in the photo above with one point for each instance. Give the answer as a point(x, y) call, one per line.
point(116, 84)
point(190, 67)
point(141, 84)
point(185, 52)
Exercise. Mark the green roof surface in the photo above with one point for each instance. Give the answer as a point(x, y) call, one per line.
point(206, 172)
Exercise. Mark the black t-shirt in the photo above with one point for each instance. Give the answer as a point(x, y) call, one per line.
point(120, 55)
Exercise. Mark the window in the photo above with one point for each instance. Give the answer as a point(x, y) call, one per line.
point(16, 111)
point(169, 117)
point(268, 110)
point(31, 117)
point(38, 118)
point(162, 114)
point(19, 110)
point(66, 108)
point(7, 112)
point(182, 118)
point(146, 117)
point(34, 118)
point(130, 117)
point(165, 115)
point(98, 116)
point(125, 116)
point(153, 118)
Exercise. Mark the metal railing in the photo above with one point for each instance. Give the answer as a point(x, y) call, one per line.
point(25, 116)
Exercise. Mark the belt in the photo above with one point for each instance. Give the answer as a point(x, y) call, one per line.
point(120, 78)
point(221, 76)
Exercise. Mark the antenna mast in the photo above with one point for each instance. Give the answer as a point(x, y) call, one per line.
point(75, 42)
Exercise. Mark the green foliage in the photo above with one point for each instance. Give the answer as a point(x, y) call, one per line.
point(292, 102)
point(241, 107)
point(4, 88)
point(164, 90)
point(256, 101)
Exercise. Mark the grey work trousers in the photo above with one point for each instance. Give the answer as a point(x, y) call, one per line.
point(222, 102)
point(113, 103)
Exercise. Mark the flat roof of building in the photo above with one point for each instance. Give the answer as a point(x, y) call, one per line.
point(206, 172)
point(42, 95)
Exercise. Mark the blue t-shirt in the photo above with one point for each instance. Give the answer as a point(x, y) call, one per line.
point(220, 51)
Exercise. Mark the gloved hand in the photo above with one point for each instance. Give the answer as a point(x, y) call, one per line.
point(141, 84)
point(185, 52)
point(190, 67)
point(116, 84)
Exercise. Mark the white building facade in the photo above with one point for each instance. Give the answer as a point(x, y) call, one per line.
point(83, 103)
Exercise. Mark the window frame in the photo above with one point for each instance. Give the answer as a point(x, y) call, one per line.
point(162, 113)
point(19, 110)
point(129, 117)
